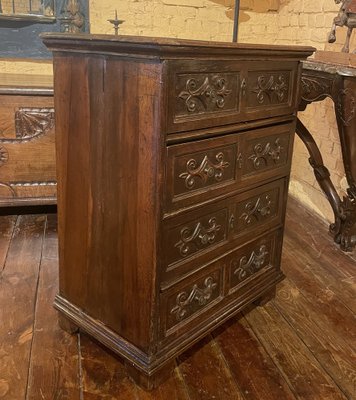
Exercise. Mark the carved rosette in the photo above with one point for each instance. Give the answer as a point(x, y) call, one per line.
point(268, 90)
point(263, 152)
point(205, 170)
point(254, 211)
point(346, 106)
point(247, 266)
point(198, 295)
point(33, 122)
point(199, 236)
point(211, 93)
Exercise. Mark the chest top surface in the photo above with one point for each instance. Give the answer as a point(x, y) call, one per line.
point(167, 48)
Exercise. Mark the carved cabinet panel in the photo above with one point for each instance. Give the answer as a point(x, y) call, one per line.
point(203, 92)
point(208, 168)
point(191, 298)
point(27, 151)
point(202, 233)
point(260, 210)
point(252, 260)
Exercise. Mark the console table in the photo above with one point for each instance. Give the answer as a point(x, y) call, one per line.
point(321, 80)
point(173, 162)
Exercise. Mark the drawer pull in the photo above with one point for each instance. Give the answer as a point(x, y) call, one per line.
point(261, 208)
point(232, 221)
point(200, 295)
point(209, 93)
point(243, 87)
point(247, 266)
point(200, 234)
point(205, 170)
point(263, 152)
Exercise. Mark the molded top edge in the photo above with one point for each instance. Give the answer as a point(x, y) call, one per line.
point(155, 46)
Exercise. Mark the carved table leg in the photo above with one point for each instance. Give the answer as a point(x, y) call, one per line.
point(322, 175)
point(345, 109)
point(153, 381)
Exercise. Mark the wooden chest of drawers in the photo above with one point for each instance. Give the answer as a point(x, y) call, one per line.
point(27, 151)
point(174, 160)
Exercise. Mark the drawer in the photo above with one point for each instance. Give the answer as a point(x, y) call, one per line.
point(27, 149)
point(191, 240)
point(204, 169)
point(234, 280)
point(191, 298)
point(213, 93)
point(257, 258)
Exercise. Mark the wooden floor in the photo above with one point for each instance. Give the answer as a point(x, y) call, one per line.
point(299, 346)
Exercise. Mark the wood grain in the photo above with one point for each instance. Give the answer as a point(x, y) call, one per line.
point(7, 226)
point(54, 367)
point(331, 349)
point(18, 292)
point(206, 374)
point(250, 364)
point(296, 362)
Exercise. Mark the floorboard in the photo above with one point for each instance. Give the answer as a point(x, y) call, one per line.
point(301, 345)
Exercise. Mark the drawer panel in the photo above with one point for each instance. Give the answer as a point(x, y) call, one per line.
point(259, 211)
point(202, 233)
point(191, 298)
point(252, 260)
point(266, 152)
point(206, 93)
point(191, 240)
point(202, 170)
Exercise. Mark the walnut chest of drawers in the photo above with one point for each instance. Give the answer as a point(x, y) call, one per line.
point(27, 151)
point(173, 160)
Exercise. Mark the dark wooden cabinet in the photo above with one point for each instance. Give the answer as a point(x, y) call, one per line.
point(27, 152)
point(173, 167)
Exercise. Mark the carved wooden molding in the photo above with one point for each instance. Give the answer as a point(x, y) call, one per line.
point(33, 122)
point(199, 295)
point(247, 266)
point(267, 89)
point(207, 169)
point(208, 93)
point(199, 234)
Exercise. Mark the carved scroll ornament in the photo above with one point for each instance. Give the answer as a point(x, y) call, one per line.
point(209, 93)
point(247, 266)
point(266, 89)
point(261, 208)
point(199, 295)
point(205, 170)
point(4, 155)
point(263, 152)
point(199, 235)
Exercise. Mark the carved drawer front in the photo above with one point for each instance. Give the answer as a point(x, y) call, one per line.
point(252, 260)
point(192, 297)
point(202, 94)
point(266, 152)
point(27, 151)
point(259, 209)
point(269, 91)
point(201, 170)
point(200, 234)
